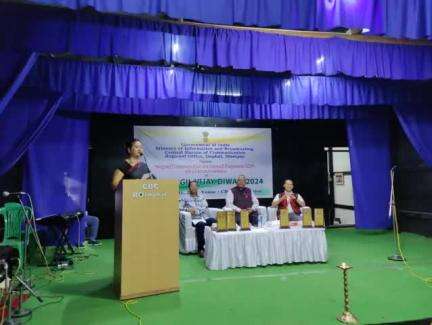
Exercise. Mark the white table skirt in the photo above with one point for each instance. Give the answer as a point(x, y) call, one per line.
point(264, 246)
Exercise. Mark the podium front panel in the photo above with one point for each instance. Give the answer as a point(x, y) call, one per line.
point(147, 259)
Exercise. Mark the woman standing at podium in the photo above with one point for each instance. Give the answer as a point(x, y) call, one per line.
point(132, 167)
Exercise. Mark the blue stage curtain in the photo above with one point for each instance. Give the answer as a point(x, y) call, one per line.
point(346, 13)
point(178, 107)
point(408, 19)
point(21, 123)
point(394, 18)
point(13, 70)
point(59, 157)
point(417, 125)
point(146, 82)
point(56, 167)
point(291, 14)
point(369, 143)
point(97, 35)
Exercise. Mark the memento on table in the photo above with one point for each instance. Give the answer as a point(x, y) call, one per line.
point(244, 220)
point(231, 224)
point(221, 219)
point(307, 217)
point(319, 218)
point(284, 219)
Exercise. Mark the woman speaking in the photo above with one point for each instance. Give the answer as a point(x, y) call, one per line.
point(132, 167)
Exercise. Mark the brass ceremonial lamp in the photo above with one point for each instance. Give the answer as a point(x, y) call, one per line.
point(347, 317)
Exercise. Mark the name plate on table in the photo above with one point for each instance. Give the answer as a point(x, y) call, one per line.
point(231, 224)
point(284, 219)
point(244, 220)
point(319, 218)
point(221, 219)
point(307, 218)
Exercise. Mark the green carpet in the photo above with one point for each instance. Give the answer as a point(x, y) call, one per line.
point(381, 291)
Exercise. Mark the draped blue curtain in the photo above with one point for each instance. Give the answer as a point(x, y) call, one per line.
point(369, 143)
point(56, 167)
point(59, 157)
point(21, 123)
point(394, 18)
point(408, 18)
point(417, 124)
point(345, 13)
point(144, 82)
point(98, 35)
point(13, 70)
point(178, 107)
point(290, 14)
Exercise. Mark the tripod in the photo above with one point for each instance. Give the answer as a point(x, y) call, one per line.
point(20, 312)
point(24, 280)
point(9, 289)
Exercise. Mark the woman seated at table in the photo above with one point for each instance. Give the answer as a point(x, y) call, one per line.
point(289, 200)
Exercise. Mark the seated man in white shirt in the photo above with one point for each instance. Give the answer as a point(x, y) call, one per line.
point(289, 200)
point(195, 203)
point(241, 198)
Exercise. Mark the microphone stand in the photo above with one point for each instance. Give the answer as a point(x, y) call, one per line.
point(25, 282)
point(27, 286)
point(8, 290)
point(26, 238)
point(145, 161)
point(396, 256)
point(9, 301)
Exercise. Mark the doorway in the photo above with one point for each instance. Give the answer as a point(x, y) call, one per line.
point(340, 188)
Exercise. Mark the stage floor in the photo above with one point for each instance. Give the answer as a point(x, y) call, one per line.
point(380, 291)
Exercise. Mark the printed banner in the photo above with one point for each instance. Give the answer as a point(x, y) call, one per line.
point(212, 156)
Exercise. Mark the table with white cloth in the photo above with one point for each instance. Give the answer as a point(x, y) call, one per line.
point(264, 246)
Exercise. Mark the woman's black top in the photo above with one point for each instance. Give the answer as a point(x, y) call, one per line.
point(134, 172)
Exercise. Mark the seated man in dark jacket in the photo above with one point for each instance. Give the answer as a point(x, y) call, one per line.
point(242, 198)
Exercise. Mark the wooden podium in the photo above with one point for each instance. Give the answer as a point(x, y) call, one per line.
point(146, 260)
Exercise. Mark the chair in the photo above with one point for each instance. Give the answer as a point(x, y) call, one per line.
point(14, 217)
point(262, 214)
point(272, 212)
point(187, 238)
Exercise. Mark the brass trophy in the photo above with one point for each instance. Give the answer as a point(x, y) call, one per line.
point(231, 224)
point(284, 219)
point(307, 217)
point(319, 218)
point(347, 317)
point(244, 220)
point(221, 219)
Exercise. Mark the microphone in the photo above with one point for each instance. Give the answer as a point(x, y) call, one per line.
point(6, 193)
